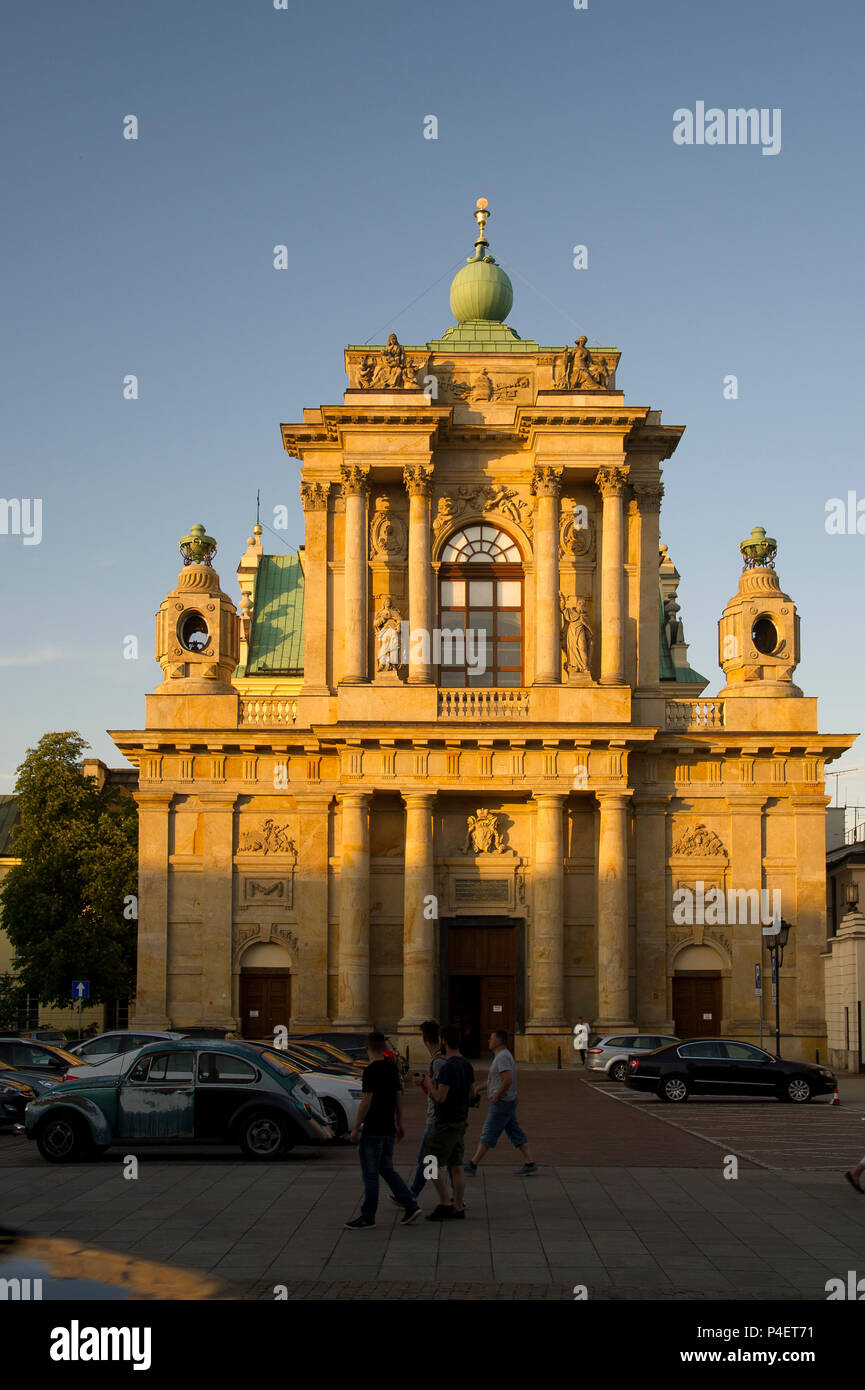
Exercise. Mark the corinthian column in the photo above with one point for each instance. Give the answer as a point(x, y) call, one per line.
point(648, 497)
point(418, 484)
point(614, 993)
point(354, 574)
point(419, 917)
point(547, 994)
point(547, 486)
point(353, 949)
point(314, 499)
point(151, 993)
point(611, 485)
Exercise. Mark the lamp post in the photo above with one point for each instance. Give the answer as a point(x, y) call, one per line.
point(775, 945)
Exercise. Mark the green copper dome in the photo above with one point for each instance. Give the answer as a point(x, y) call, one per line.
point(481, 290)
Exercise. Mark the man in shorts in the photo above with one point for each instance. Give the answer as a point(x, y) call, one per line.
point(452, 1091)
point(502, 1114)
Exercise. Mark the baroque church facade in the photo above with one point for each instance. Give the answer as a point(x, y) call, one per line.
point(450, 760)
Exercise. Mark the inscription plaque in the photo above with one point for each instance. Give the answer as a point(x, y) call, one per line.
point(480, 890)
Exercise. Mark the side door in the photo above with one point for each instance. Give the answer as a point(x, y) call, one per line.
point(156, 1100)
point(706, 1067)
point(751, 1071)
point(222, 1084)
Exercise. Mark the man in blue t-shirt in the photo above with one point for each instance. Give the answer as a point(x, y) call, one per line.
point(452, 1091)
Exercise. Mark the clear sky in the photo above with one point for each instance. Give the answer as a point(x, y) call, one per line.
point(305, 127)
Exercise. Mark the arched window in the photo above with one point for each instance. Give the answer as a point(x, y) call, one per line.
point(481, 611)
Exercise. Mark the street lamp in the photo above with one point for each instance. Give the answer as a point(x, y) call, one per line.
point(775, 945)
point(851, 896)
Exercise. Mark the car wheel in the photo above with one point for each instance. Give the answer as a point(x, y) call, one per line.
point(336, 1117)
point(64, 1139)
point(619, 1070)
point(797, 1090)
point(674, 1089)
point(264, 1136)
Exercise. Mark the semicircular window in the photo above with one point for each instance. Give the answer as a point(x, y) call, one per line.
point(486, 545)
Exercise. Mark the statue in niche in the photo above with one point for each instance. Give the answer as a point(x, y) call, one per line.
point(386, 625)
point(388, 536)
point(448, 510)
point(483, 835)
point(576, 636)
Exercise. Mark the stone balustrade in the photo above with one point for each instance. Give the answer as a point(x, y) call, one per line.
point(492, 703)
point(695, 714)
point(267, 711)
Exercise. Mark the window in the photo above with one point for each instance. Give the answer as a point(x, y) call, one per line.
point(165, 1068)
point(216, 1068)
point(743, 1052)
point(103, 1047)
point(481, 610)
point(702, 1049)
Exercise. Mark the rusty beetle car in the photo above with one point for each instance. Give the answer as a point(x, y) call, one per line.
point(185, 1092)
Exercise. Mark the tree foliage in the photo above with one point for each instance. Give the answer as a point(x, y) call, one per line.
point(63, 906)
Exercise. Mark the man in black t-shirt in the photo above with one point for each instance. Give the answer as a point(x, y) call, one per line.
point(453, 1090)
point(380, 1116)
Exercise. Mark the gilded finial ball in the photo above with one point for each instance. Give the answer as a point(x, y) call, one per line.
point(482, 204)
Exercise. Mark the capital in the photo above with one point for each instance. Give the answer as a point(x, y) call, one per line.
point(418, 479)
point(546, 480)
point(313, 496)
point(610, 482)
point(353, 479)
point(649, 496)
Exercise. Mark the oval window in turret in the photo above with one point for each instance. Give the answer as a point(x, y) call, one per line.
point(764, 635)
point(192, 632)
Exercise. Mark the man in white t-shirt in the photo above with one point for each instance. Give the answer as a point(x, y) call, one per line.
point(581, 1039)
point(502, 1114)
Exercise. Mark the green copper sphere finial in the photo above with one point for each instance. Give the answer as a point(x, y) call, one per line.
point(198, 548)
point(759, 550)
point(481, 290)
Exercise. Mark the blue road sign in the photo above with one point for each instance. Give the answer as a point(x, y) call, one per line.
point(80, 989)
point(758, 979)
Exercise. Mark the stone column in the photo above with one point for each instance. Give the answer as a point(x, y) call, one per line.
point(419, 922)
point(547, 487)
point(546, 1009)
point(309, 1009)
point(649, 497)
point(808, 916)
point(151, 994)
point(418, 484)
point(354, 575)
point(217, 910)
point(614, 995)
point(316, 625)
point(611, 485)
point(353, 949)
point(650, 825)
point(741, 1007)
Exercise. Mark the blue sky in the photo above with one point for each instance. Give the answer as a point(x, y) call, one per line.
point(304, 127)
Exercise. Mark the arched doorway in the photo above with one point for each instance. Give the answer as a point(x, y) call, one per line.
point(697, 993)
point(265, 990)
point(481, 592)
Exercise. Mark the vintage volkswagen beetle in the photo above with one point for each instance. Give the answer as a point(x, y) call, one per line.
point(185, 1092)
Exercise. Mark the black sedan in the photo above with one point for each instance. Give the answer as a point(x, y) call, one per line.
point(725, 1067)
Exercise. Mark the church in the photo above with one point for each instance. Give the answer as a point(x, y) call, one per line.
point(449, 759)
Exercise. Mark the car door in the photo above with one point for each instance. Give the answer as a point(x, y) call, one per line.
point(157, 1098)
point(750, 1070)
point(222, 1083)
point(32, 1057)
point(706, 1066)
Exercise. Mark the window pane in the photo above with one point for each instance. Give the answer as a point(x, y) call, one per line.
point(479, 559)
point(481, 591)
point(454, 593)
point(452, 677)
point(485, 679)
point(512, 555)
point(490, 533)
point(510, 624)
point(451, 553)
point(509, 678)
point(219, 1067)
point(510, 595)
point(509, 653)
point(472, 533)
point(481, 621)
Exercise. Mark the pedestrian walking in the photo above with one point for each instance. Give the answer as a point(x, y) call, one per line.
point(501, 1118)
point(376, 1129)
point(452, 1092)
point(431, 1034)
point(854, 1174)
point(581, 1038)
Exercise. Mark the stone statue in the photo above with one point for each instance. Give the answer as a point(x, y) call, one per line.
point(271, 839)
point(580, 371)
point(699, 842)
point(386, 625)
point(577, 635)
point(483, 835)
point(388, 537)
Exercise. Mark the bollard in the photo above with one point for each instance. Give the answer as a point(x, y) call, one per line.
point(558, 1059)
point(817, 1056)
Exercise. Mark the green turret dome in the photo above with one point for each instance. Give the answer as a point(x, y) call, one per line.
point(481, 290)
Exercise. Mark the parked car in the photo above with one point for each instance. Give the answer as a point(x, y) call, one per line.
point(327, 1057)
point(118, 1041)
point(610, 1052)
point(182, 1092)
point(354, 1044)
point(49, 1035)
point(17, 1089)
point(42, 1059)
point(725, 1067)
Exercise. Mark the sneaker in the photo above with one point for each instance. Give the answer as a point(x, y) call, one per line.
point(528, 1170)
point(441, 1213)
point(409, 1215)
point(470, 1168)
point(360, 1223)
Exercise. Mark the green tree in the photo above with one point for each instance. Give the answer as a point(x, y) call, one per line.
point(69, 907)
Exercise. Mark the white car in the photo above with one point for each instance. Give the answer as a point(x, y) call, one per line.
point(339, 1095)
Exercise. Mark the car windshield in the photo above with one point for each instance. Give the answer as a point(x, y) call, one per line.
point(277, 1059)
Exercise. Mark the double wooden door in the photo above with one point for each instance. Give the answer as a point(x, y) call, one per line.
point(697, 1004)
point(481, 983)
point(265, 1002)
